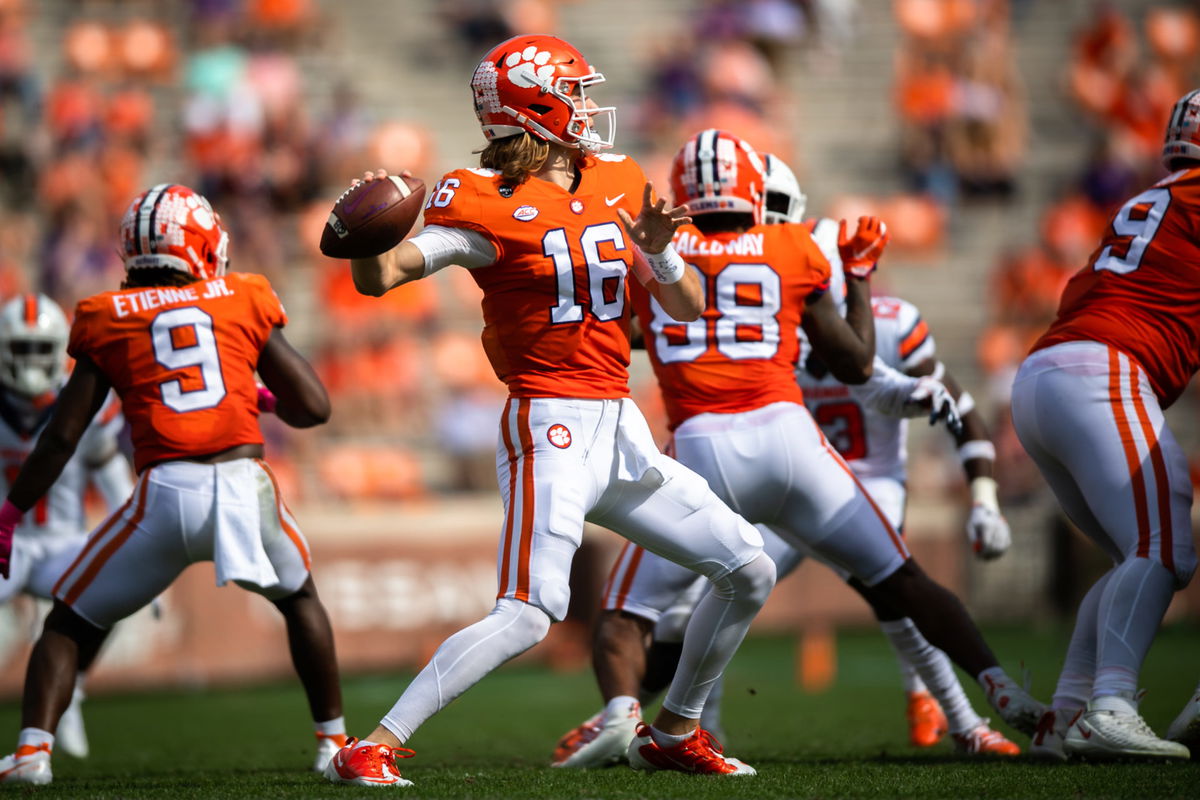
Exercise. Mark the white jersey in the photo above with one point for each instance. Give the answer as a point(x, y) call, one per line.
point(60, 512)
point(872, 443)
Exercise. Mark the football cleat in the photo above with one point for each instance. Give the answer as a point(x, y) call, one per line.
point(327, 746)
point(983, 741)
point(926, 722)
point(1052, 729)
point(71, 737)
point(1014, 705)
point(367, 764)
point(1114, 734)
point(1186, 727)
point(598, 742)
point(29, 764)
point(699, 754)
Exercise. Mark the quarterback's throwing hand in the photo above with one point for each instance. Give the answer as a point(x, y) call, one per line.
point(655, 225)
point(860, 252)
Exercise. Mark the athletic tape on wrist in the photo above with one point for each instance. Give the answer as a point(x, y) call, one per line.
point(983, 493)
point(977, 448)
point(667, 266)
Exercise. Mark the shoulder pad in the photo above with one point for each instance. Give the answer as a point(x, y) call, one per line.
point(483, 172)
point(614, 157)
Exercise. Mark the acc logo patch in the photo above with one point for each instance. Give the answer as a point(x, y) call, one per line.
point(525, 213)
point(559, 436)
point(577, 206)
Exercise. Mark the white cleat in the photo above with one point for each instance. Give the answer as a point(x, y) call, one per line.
point(1186, 727)
point(1014, 705)
point(71, 737)
point(28, 765)
point(327, 746)
point(601, 744)
point(1117, 734)
point(1051, 731)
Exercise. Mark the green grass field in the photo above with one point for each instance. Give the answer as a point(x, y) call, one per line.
point(495, 741)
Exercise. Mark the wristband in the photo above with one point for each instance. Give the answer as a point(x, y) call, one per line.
point(976, 448)
point(667, 266)
point(266, 400)
point(966, 403)
point(10, 515)
point(983, 493)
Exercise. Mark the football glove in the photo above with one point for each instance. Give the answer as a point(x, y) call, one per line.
point(987, 529)
point(932, 395)
point(10, 515)
point(860, 252)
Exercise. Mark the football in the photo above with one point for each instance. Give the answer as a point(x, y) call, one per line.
point(372, 217)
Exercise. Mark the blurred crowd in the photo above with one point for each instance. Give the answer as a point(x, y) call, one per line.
point(218, 94)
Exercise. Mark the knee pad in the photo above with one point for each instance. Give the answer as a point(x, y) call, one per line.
point(751, 582)
point(524, 625)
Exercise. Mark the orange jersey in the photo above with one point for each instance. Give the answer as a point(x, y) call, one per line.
point(741, 353)
point(1140, 291)
point(182, 360)
point(556, 300)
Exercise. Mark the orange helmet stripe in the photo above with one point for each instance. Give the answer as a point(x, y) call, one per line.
point(31, 309)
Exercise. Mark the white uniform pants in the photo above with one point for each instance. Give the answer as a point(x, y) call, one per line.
point(1087, 415)
point(773, 466)
point(563, 461)
point(182, 512)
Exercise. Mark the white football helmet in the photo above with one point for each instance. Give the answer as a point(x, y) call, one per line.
point(785, 201)
point(1183, 130)
point(33, 345)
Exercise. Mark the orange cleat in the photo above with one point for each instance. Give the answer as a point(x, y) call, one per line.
point(576, 738)
point(926, 722)
point(367, 764)
point(983, 741)
point(699, 754)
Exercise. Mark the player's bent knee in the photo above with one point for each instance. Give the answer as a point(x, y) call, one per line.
point(1185, 568)
point(525, 624)
point(750, 582)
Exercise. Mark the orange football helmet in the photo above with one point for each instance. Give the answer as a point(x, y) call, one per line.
point(716, 171)
point(1183, 130)
point(538, 84)
point(170, 225)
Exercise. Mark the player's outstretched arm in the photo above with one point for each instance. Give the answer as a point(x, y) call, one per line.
point(987, 530)
point(676, 288)
point(78, 402)
point(376, 275)
point(847, 346)
point(300, 398)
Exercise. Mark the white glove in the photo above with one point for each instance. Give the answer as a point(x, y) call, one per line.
point(932, 395)
point(986, 528)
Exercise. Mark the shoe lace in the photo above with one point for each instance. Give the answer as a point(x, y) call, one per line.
point(710, 741)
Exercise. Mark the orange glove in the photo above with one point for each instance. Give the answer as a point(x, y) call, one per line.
point(861, 252)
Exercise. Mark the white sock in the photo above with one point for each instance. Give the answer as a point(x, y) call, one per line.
point(936, 672)
point(710, 718)
point(1079, 667)
point(717, 627)
point(333, 727)
point(1122, 704)
point(909, 676)
point(668, 739)
point(1132, 607)
point(619, 708)
point(35, 737)
point(462, 660)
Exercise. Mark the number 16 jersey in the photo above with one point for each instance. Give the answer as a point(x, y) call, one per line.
point(1140, 291)
point(182, 359)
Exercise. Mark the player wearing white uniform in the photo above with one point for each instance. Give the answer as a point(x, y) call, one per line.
point(739, 420)
point(33, 354)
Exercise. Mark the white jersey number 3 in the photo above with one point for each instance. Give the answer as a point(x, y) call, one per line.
point(175, 349)
point(1135, 225)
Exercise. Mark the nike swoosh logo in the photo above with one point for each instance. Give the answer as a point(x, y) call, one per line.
point(353, 203)
point(1085, 733)
point(612, 201)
